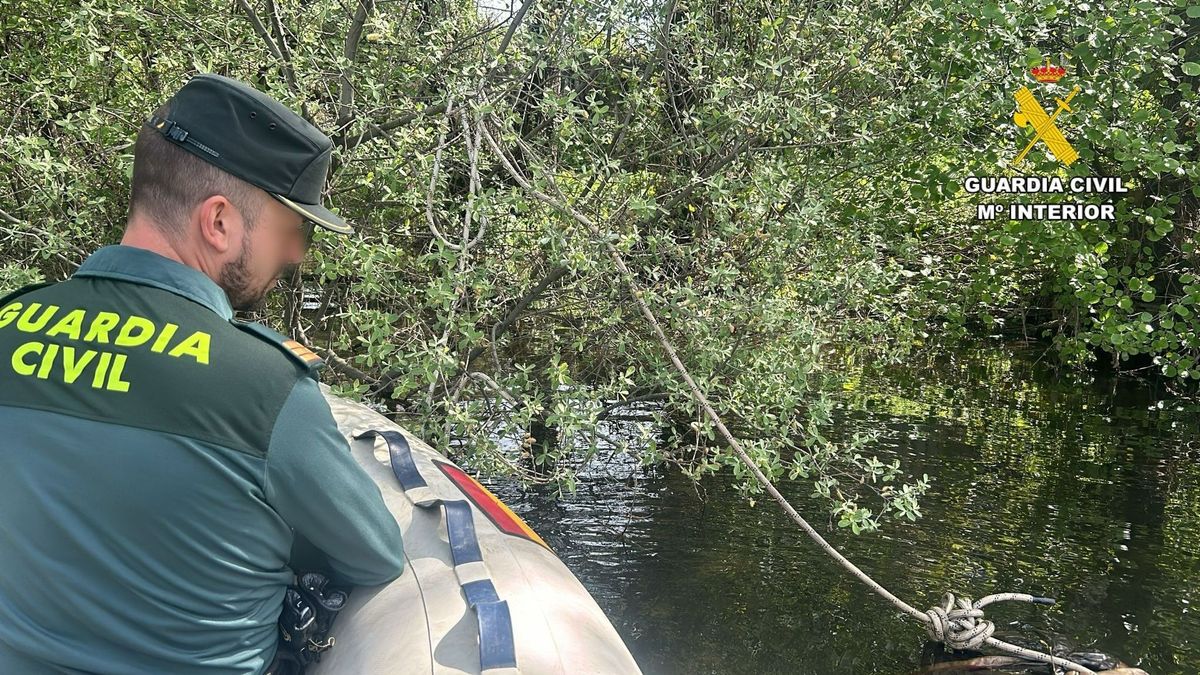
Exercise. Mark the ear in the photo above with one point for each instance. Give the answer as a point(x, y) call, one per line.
point(221, 225)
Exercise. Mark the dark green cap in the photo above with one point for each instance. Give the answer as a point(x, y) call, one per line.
point(256, 138)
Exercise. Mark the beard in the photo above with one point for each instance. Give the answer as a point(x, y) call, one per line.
point(235, 279)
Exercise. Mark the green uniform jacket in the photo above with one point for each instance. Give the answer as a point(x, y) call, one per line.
point(158, 460)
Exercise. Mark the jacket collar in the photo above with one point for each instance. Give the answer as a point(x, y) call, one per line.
point(142, 266)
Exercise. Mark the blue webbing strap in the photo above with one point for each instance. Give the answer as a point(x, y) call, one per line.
point(460, 525)
point(402, 460)
point(494, 621)
point(497, 648)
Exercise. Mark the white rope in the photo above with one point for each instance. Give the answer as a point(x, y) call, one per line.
point(957, 622)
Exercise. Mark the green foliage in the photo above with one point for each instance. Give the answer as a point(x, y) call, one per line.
point(1124, 288)
point(782, 179)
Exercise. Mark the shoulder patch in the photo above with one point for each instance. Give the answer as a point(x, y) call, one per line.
point(303, 352)
point(23, 290)
point(298, 352)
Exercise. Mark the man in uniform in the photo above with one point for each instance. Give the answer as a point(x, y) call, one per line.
point(160, 459)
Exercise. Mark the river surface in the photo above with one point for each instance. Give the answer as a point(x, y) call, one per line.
point(1085, 491)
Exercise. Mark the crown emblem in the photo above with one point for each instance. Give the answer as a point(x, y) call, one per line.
point(1047, 72)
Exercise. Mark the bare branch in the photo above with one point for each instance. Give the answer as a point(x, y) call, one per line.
point(336, 362)
point(350, 53)
point(259, 28)
point(433, 176)
point(512, 28)
point(277, 26)
point(348, 142)
point(6, 216)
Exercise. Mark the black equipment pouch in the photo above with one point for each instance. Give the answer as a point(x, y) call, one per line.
point(309, 608)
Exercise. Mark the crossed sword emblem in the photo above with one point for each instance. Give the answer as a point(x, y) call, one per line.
point(1043, 125)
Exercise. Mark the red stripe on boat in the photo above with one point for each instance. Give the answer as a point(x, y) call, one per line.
point(496, 510)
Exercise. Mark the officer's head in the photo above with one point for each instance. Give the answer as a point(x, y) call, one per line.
point(230, 180)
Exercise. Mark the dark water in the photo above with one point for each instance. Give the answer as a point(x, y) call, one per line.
point(1088, 492)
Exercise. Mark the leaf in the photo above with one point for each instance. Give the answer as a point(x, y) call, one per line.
point(1191, 68)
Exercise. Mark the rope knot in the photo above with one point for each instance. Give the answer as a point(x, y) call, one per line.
point(959, 623)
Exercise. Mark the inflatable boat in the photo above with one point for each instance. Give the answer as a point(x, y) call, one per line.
point(480, 593)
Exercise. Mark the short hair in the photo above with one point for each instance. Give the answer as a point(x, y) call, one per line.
point(168, 182)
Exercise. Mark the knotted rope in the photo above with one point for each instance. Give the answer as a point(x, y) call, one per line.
point(958, 623)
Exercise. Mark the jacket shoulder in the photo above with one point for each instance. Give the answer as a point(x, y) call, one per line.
point(23, 290)
point(298, 354)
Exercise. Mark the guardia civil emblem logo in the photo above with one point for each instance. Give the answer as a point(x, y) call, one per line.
point(1030, 113)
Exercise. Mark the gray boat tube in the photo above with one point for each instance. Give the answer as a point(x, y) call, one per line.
point(481, 593)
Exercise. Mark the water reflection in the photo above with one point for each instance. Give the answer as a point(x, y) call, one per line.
point(1086, 492)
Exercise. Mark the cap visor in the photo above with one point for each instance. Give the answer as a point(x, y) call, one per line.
point(318, 214)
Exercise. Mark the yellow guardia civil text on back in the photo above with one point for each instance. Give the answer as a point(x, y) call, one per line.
point(69, 363)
